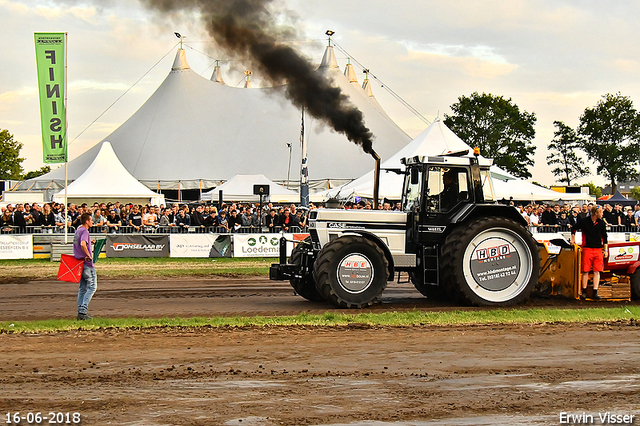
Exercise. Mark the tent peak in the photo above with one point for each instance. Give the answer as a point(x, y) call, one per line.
point(180, 63)
point(217, 74)
point(350, 73)
point(329, 59)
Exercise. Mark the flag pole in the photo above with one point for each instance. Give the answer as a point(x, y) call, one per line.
point(66, 145)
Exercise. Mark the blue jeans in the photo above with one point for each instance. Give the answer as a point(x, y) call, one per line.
point(88, 286)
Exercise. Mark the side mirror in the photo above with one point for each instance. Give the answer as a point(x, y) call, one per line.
point(414, 176)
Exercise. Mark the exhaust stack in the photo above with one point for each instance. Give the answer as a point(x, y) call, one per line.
point(376, 179)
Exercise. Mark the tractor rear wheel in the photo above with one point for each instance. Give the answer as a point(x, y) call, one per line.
point(351, 271)
point(305, 286)
point(490, 262)
point(635, 284)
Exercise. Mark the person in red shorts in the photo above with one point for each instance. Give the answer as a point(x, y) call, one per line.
point(594, 242)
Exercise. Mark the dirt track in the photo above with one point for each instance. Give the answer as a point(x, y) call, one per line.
point(303, 375)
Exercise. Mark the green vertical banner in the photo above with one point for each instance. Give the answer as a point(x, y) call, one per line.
point(50, 60)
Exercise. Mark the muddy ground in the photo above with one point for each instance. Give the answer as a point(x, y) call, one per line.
point(462, 375)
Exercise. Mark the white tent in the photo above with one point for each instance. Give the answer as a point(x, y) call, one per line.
point(194, 132)
point(106, 180)
point(437, 139)
point(240, 188)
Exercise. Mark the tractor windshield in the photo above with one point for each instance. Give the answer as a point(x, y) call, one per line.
point(412, 190)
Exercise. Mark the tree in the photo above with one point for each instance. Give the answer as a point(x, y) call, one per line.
point(35, 173)
point(635, 193)
point(594, 190)
point(498, 127)
point(562, 151)
point(610, 132)
point(10, 161)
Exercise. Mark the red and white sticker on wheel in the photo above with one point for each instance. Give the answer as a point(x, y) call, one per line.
point(355, 273)
point(495, 264)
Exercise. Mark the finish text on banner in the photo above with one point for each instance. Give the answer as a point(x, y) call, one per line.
point(16, 246)
point(137, 246)
point(262, 245)
point(50, 60)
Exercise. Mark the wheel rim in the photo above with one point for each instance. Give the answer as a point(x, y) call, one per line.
point(355, 273)
point(497, 265)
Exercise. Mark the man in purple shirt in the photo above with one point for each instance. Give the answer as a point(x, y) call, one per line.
point(89, 278)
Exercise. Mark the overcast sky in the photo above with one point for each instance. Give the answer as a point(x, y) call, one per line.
point(553, 58)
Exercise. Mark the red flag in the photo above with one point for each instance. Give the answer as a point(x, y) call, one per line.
point(70, 269)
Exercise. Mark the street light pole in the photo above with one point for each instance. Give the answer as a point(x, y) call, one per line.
point(289, 169)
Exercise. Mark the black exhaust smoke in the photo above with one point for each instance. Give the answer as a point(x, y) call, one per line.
point(248, 29)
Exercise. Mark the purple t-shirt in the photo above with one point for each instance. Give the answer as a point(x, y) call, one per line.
point(82, 234)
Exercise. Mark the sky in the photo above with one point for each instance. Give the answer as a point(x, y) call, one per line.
point(550, 57)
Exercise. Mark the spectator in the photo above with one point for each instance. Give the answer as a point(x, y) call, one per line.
point(59, 219)
point(608, 215)
point(234, 221)
point(6, 222)
point(197, 219)
point(183, 220)
point(548, 216)
point(150, 219)
point(285, 220)
point(271, 221)
point(19, 220)
point(164, 218)
point(584, 211)
point(619, 214)
point(97, 218)
point(574, 217)
point(35, 214)
point(628, 219)
point(135, 218)
point(28, 218)
point(113, 221)
point(222, 221)
point(256, 217)
point(212, 219)
point(563, 220)
point(526, 212)
point(47, 219)
point(636, 214)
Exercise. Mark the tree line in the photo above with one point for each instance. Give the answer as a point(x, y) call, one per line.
point(608, 134)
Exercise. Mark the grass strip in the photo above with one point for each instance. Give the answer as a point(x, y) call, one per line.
point(332, 319)
point(112, 268)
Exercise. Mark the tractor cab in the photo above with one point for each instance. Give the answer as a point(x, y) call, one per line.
point(442, 190)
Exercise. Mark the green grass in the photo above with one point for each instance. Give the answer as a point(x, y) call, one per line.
point(34, 269)
point(332, 319)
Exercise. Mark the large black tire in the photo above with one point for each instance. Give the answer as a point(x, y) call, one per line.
point(635, 284)
point(305, 287)
point(490, 262)
point(433, 292)
point(351, 271)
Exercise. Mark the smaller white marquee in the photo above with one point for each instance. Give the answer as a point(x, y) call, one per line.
point(107, 180)
point(240, 188)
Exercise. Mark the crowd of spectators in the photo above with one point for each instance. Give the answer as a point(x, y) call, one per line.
point(239, 217)
point(126, 218)
point(566, 216)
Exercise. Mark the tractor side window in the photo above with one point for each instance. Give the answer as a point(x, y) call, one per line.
point(447, 187)
point(487, 186)
point(412, 190)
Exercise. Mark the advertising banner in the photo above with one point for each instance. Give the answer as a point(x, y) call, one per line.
point(50, 60)
point(262, 245)
point(137, 246)
point(16, 246)
point(200, 245)
point(621, 254)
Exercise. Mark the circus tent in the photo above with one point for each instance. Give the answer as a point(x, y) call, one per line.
point(195, 132)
